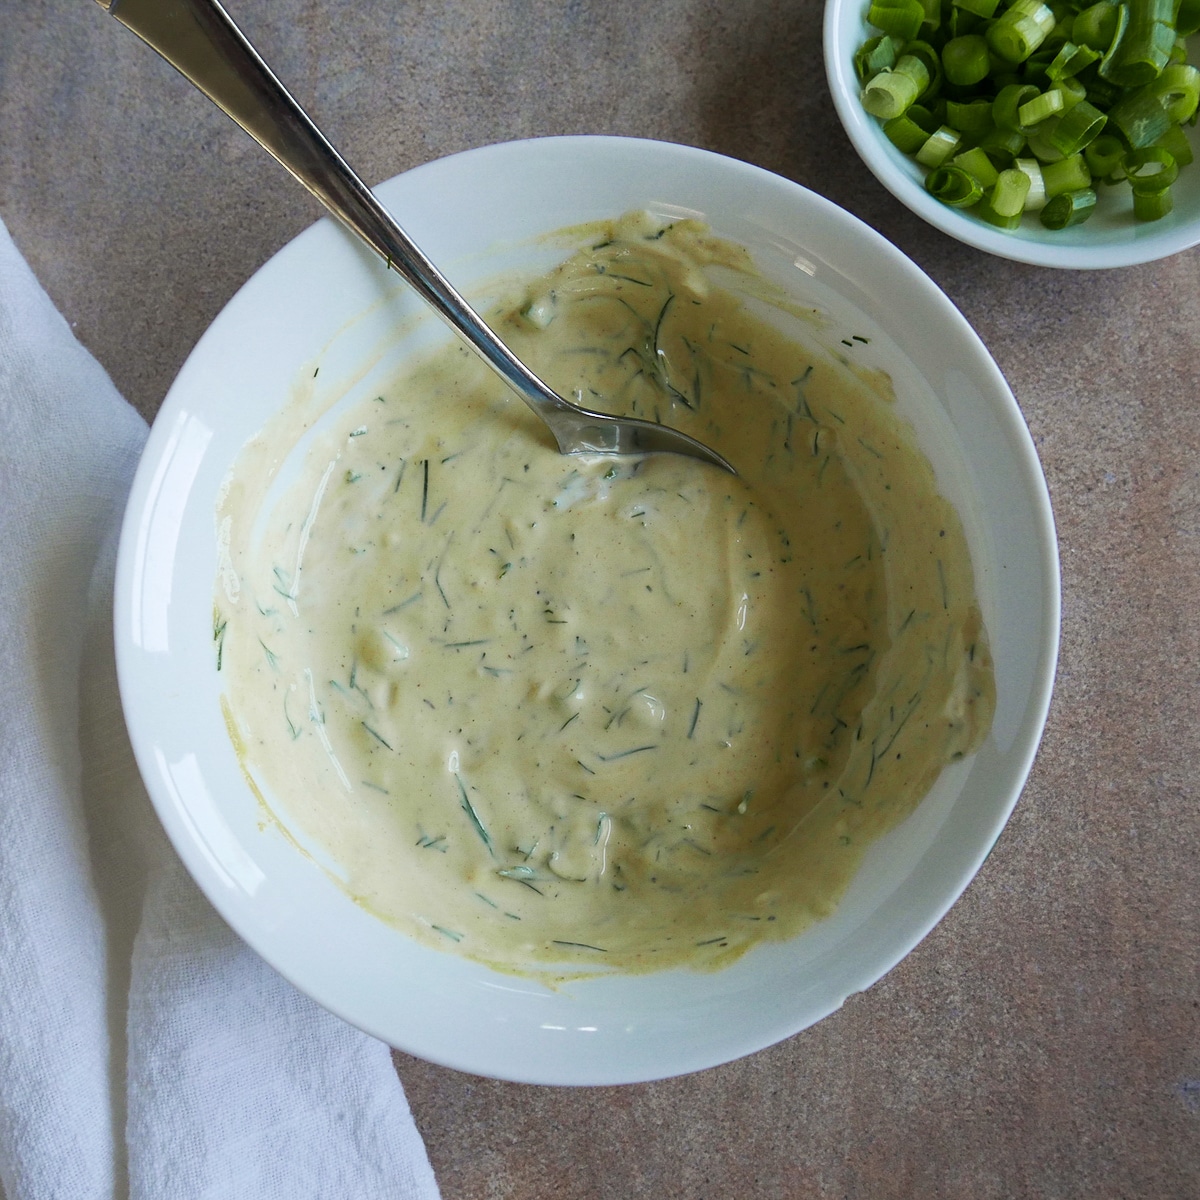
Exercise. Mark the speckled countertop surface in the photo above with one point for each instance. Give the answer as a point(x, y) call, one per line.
point(1044, 1040)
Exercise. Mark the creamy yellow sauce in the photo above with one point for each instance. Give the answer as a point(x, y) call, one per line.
point(556, 712)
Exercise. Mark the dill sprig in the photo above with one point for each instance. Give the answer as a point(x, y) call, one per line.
point(469, 809)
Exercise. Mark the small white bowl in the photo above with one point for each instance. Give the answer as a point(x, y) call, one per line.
point(323, 302)
point(1110, 237)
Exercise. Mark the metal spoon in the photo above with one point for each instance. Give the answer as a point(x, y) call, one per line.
point(199, 39)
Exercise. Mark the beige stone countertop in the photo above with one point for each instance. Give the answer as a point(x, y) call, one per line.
point(1044, 1040)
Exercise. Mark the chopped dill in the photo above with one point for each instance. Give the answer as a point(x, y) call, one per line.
point(387, 612)
point(376, 735)
point(623, 753)
point(272, 657)
point(469, 809)
point(219, 636)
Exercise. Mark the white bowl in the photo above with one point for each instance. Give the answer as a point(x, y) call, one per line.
point(1110, 237)
point(323, 301)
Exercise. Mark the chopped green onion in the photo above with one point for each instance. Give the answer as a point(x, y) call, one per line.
point(1077, 128)
point(1069, 175)
point(1102, 93)
point(1150, 170)
point(1035, 111)
point(875, 55)
point(1008, 196)
point(905, 134)
point(900, 18)
point(1072, 91)
point(986, 211)
point(1178, 91)
point(1068, 208)
point(933, 15)
point(1026, 103)
point(1152, 206)
point(890, 94)
point(1035, 198)
point(1121, 24)
point(1144, 45)
point(965, 59)
point(940, 146)
point(1095, 27)
point(974, 116)
point(1070, 60)
point(1007, 105)
point(1002, 145)
point(1139, 118)
point(1041, 142)
point(1104, 155)
point(1187, 21)
point(978, 8)
point(931, 60)
point(1020, 30)
point(926, 118)
point(953, 186)
point(976, 162)
point(1175, 142)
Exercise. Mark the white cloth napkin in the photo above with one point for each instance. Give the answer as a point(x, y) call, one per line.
point(144, 1049)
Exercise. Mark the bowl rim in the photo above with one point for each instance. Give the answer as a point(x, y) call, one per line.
point(884, 162)
point(510, 157)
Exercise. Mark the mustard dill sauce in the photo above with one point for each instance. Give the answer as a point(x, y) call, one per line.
point(594, 711)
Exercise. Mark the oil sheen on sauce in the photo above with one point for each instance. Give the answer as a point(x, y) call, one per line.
point(558, 712)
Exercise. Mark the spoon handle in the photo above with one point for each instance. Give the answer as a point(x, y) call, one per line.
point(200, 40)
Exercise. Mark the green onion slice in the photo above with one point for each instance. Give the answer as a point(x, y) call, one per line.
point(1035, 198)
point(1152, 206)
point(965, 59)
point(1175, 141)
point(942, 144)
point(1095, 27)
point(1002, 145)
point(1069, 175)
point(978, 8)
point(953, 186)
point(1070, 60)
point(1020, 30)
point(874, 55)
point(1008, 195)
point(1139, 118)
point(905, 134)
point(1187, 21)
point(1077, 128)
point(976, 162)
point(1006, 107)
point(899, 18)
point(985, 211)
point(1068, 208)
point(890, 94)
point(1150, 170)
point(1178, 91)
point(1035, 111)
point(973, 116)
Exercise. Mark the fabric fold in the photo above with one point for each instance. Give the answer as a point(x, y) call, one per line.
point(145, 1050)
